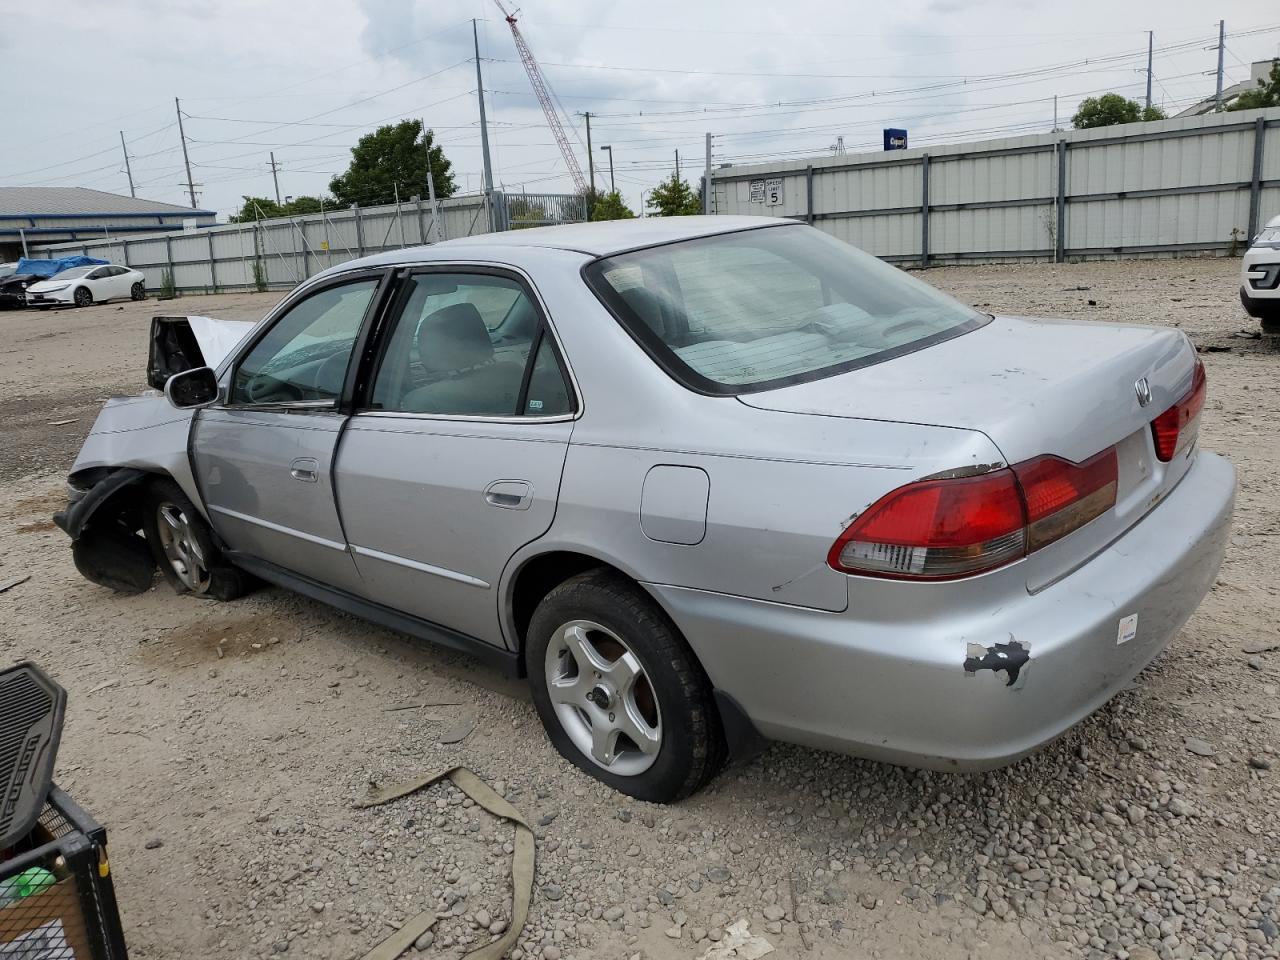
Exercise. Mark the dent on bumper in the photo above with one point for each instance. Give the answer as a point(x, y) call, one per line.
point(972, 692)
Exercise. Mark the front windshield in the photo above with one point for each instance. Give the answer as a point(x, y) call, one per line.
point(768, 307)
point(71, 274)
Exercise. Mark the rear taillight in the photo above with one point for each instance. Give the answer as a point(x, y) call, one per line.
point(1176, 428)
point(944, 529)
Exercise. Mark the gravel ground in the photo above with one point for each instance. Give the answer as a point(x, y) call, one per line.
point(224, 745)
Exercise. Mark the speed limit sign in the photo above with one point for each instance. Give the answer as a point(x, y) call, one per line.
point(773, 192)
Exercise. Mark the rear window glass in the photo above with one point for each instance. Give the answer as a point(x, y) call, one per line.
point(768, 307)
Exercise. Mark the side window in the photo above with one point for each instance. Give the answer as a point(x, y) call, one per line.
point(97, 274)
point(304, 356)
point(460, 347)
point(548, 391)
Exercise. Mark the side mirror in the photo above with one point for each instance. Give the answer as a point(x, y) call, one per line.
point(197, 387)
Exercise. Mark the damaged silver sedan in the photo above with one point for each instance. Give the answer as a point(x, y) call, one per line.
point(704, 481)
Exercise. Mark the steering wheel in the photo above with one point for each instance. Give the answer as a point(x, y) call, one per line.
point(263, 388)
point(330, 375)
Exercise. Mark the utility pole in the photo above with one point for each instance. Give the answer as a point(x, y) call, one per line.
point(431, 187)
point(191, 187)
point(1151, 40)
point(274, 177)
point(677, 164)
point(128, 171)
point(706, 180)
point(591, 160)
point(613, 187)
point(484, 128)
point(1222, 42)
point(1055, 113)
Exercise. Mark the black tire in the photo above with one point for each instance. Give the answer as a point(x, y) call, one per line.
point(1271, 323)
point(82, 297)
point(138, 291)
point(692, 747)
point(222, 580)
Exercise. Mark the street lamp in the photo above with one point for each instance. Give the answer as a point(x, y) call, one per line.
point(643, 193)
point(612, 186)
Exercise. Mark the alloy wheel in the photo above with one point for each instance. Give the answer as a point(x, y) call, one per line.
point(181, 548)
point(603, 698)
point(83, 297)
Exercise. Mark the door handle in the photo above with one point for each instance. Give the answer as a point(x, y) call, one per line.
point(509, 494)
point(305, 469)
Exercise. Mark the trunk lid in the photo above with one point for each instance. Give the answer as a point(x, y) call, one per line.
point(1033, 386)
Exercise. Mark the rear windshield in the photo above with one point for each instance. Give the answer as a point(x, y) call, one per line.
point(769, 307)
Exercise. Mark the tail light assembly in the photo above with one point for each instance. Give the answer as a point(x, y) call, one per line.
point(1175, 429)
point(956, 527)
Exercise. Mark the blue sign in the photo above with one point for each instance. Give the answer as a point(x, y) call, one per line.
point(895, 139)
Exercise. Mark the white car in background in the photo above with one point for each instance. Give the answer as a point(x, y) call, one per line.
point(1260, 277)
point(83, 286)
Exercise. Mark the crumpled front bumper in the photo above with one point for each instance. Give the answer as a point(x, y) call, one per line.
point(973, 689)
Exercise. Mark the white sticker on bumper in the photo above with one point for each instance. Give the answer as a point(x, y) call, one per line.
point(1128, 629)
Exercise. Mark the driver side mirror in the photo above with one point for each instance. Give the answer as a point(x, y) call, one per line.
point(197, 387)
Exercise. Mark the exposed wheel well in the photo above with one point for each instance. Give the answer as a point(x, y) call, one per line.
point(539, 577)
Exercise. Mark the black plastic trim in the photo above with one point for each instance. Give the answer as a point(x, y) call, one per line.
point(505, 660)
point(72, 521)
point(744, 741)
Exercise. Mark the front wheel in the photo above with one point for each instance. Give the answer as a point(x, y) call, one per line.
point(137, 291)
point(620, 692)
point(183, 546)
point(82, 297)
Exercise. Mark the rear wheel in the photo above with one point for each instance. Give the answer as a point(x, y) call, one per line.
point(137, 291)
point(183, 546)
point(82, 297)
point(619, 691)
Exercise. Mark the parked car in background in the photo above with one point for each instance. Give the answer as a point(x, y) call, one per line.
point(701, 479)
point(1260, 277)
point(83, 286)
point(13, 285)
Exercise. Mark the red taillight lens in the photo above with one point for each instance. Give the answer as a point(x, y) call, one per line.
point(944, 529)
point(1175, 429)
point(1062, 496)
point(936, 529)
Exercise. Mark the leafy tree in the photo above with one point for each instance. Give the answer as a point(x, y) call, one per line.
point(1110, 109)
point(610, 207)
point(394, 156)
point(261, 208)
point(674, 198)
point(1267, 94)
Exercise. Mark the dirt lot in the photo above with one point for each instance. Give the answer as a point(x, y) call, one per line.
point(224, 744)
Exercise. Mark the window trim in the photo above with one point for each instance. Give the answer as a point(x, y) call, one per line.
point(679, 371)
point(281, 310)
point(390, 317)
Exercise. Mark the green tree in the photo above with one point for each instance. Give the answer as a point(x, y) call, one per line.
point(393, 157)
point(674, 198)
point(1267, 94)
point(1110, 109)
point(261, 208)
point(609, 206)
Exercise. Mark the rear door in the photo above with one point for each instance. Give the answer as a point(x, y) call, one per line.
point(264, 459)
point(454, 461)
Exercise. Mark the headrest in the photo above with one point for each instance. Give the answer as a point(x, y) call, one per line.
point(454, 338)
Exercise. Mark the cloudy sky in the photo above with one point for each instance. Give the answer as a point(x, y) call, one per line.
point(767, 79)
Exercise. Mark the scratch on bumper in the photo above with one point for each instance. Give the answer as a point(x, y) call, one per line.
point(1009, 658)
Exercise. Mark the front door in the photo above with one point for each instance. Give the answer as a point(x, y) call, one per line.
point(454, 460)
point(264, 459)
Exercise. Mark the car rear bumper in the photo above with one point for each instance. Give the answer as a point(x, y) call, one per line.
point(923, 691)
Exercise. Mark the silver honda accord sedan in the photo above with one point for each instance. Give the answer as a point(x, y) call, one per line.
point(705, 481)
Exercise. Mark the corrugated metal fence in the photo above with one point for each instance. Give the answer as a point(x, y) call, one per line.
point(1193, 185)
point(283, 252)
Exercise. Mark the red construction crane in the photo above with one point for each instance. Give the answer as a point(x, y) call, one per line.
point(548, 108)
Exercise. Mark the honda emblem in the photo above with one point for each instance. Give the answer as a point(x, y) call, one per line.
point(1143, 390)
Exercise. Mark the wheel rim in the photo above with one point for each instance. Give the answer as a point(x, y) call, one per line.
point(603, 698)
point(181, 548)
point(82, 297)
point(136, 291)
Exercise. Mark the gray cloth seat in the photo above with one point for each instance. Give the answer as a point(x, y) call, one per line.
point(456, 352)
